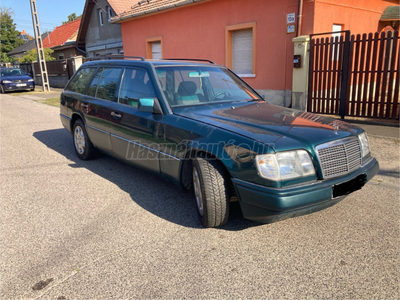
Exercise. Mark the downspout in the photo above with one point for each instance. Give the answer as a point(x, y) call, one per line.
point(300, 18)
point(83, 51)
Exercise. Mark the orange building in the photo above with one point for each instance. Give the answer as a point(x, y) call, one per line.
point(252, 37)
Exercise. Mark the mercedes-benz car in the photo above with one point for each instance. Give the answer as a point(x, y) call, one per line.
point(15, 79)
point(200, 126)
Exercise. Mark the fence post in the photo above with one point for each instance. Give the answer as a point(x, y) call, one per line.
point(76, 62)
point(33, 72)
point(300, 73)
point(345, 75)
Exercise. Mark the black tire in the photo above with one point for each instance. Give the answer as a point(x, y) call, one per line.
point(211, 192)
point(1, 89)
point(84, 148)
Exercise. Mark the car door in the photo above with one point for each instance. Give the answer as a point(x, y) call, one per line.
point(97, 104)
point(136, 135)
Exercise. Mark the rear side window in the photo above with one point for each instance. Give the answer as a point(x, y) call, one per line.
point(93, 85)
point(80, 80)
point(108, 84)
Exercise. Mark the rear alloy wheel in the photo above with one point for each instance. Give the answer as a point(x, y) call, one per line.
point(84, 148)
point(211, 192)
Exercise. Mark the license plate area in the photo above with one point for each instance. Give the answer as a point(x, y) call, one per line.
point(21, 84)
point(348, 187)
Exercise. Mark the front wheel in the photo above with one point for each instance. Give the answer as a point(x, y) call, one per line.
point(210, 191)
point(84, 148)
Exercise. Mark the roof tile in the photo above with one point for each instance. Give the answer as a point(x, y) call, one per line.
point(146, 6)
point(62, 34)
point(119, 6)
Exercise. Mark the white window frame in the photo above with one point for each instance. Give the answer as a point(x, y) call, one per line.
point(109, 13)
point(100, 17)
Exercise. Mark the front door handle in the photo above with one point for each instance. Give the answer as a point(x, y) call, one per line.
point(85, 105)
point(116, 115)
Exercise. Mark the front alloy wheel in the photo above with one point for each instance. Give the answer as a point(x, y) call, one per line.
point(211, 192)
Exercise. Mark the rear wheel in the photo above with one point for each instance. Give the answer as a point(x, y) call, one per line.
point(84, 148)
point(211, 192)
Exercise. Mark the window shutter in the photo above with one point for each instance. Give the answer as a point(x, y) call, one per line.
point(156, 50)
point(242, 51)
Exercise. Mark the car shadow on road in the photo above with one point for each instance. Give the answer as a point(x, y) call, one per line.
point(150, 191)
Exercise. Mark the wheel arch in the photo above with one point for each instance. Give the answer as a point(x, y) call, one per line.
point(187, 166)
point(74, 117)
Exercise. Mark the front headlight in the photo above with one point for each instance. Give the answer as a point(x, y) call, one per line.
point(30, 80)
point(365, 150)
point(7, 81)
point(285, 165)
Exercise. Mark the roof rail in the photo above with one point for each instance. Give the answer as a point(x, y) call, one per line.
point(117, 56)
point(193, 59)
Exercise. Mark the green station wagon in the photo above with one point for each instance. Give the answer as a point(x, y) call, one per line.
point(198, 125)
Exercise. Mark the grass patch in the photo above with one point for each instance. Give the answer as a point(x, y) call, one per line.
point(51, 101)
point(21, 93)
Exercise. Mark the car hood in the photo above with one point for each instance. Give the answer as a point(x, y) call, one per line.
point(19, 77)
point(279, 127)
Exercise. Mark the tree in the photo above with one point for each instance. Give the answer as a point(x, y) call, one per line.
point(72, 17)
point(8, 34)
point(32, 55)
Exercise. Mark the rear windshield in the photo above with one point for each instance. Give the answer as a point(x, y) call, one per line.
point(198, 85)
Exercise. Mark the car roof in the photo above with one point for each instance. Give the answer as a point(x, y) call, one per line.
point(155, 62)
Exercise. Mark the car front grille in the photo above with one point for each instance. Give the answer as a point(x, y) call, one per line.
point(18, 81)
point(339, 157)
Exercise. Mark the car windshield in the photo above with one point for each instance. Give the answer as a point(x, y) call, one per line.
point(12, 72)
point(199, 85)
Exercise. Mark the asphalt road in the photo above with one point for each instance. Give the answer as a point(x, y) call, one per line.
point(102, 229)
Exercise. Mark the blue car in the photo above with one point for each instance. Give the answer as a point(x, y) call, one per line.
point(15, 79)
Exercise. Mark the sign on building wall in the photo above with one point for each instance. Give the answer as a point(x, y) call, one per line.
point(291, 18)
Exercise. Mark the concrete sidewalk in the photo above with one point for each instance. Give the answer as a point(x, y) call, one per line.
point(38, 94)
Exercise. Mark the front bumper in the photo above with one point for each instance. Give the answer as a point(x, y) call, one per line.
point(267, 205)
point(9, 87)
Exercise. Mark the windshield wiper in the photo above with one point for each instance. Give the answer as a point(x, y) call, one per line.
point(258, 99)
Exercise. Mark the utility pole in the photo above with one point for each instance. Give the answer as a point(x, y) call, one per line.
point(39, 47)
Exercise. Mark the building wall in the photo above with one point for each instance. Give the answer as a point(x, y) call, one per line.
point(67, 52)
point(358, 16)
point(199, 31)
point(104, 39)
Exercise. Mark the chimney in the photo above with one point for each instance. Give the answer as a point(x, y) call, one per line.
point(23, 32)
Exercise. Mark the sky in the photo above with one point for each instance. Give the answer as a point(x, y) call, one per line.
point(51, 13)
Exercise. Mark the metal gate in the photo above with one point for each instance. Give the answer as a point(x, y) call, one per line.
point(355, 75)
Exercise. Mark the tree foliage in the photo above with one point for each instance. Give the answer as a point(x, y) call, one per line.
point(32, 55)
point(72, 17)
point(8, 34)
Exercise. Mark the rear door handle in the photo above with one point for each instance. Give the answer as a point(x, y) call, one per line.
point(116, 115)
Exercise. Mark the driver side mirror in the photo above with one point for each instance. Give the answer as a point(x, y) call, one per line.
point(149, 105)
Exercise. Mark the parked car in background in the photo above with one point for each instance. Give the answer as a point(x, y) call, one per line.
point(15, 79)
point(200, 126)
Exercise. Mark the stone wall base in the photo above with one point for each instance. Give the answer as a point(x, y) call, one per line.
point(277, 97)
